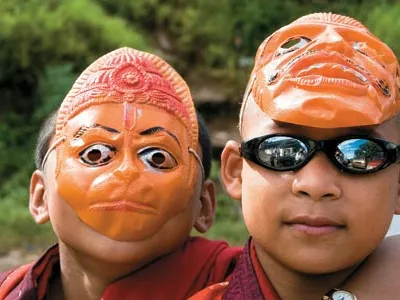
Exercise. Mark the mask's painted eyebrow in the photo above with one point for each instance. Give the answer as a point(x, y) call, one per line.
point(81, 131)
point(156, 129)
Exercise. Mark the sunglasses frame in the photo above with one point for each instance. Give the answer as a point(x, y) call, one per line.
point(249, 150)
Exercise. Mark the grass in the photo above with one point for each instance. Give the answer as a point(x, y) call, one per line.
point(18, 230)
point(229, 224)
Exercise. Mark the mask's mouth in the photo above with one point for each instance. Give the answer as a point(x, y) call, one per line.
point(123, 206)
point(333, 71)
point(323, 68)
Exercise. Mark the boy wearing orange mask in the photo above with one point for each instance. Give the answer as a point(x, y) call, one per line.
point(123, 184)
point(317, 172)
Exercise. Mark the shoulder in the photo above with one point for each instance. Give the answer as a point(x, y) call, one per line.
point(387, 254)
point(3, 275)
point(217, 257)
point(27, 279)
point(213, 292)
point(219, 252)
point(10, 279)
point(201, 244)
point(377, 277)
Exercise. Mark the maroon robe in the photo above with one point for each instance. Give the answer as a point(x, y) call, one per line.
point(248, 281)
point(192, 267)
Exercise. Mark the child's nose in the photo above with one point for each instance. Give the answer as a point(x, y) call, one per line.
point(317, 180)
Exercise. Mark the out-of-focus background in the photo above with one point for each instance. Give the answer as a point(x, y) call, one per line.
point(45, 44)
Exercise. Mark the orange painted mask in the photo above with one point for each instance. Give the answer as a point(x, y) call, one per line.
point(126, 137)
point(325, 70)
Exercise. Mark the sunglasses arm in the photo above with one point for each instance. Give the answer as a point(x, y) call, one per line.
point(398, 154)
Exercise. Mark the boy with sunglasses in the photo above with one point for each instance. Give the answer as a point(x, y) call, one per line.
point(317, 171)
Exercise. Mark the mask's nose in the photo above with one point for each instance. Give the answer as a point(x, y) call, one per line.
point(127, 169)
point(331, 40)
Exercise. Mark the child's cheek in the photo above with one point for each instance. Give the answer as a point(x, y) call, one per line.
point(73, 182)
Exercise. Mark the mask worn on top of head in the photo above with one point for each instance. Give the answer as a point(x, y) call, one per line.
point(325, 70)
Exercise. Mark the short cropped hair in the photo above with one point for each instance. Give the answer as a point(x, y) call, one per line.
point(205, 144)
point(48, 131)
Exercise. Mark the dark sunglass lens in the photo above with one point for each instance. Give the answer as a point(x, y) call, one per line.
point(282, 152)
point(360, 155)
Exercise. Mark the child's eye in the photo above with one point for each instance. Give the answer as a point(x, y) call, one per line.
point(292, 45)
point(98, 154)
point(157, 158)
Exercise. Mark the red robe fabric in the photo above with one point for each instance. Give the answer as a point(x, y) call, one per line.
point(197, 264)
point(248, 282)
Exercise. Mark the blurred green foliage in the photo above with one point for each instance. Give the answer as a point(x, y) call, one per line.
point(44, 44)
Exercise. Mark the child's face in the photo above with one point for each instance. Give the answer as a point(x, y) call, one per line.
point(124, 179)
point(279, 208)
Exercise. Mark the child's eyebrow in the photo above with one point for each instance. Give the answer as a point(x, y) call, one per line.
point(81, 131)
point(156, 129)
point(367, 131)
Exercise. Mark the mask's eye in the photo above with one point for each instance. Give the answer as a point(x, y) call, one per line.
point(293, 44)
point(360, 46)
point(97, 155)
point(157, 158)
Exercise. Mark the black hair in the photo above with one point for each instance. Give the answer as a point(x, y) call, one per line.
point(46, 133)
point(48, 129)
point(205, 144)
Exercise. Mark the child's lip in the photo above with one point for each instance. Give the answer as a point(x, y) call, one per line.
point(314, 220)
point(314, 225)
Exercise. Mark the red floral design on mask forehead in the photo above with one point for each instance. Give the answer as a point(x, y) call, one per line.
point(128, 75)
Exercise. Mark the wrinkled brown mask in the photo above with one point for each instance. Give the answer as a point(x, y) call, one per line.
point(325, 70)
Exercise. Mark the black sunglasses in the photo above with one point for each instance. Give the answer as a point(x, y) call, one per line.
point(353, 154)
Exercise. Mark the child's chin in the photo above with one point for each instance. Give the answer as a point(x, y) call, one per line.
point(321, 268)
point(131, 253)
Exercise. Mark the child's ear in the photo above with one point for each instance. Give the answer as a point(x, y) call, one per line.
point(231, 169)
point(206, 217)
point(37, 198)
